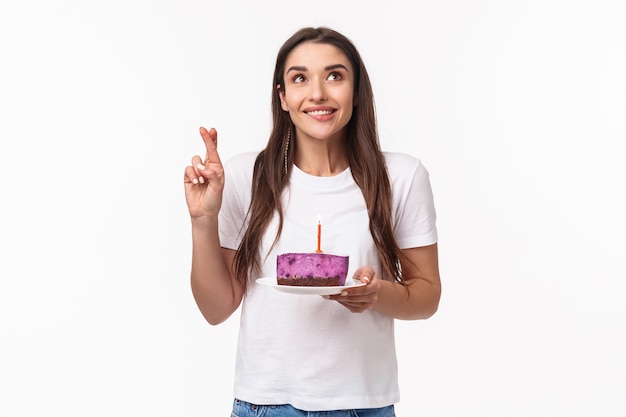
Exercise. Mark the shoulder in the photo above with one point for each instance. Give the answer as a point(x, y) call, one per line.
point(399, 157)
point(239, 168)
point(402, 164)
point(242, 159)
point(241, 162)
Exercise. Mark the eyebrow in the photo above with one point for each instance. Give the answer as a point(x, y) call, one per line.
point(328, 68)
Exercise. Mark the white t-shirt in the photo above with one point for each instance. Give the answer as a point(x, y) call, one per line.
point(305, 350)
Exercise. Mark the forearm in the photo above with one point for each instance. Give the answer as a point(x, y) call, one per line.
point(418, 299)
point(216, 292)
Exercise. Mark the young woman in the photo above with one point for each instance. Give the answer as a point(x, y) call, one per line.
point(306, 353)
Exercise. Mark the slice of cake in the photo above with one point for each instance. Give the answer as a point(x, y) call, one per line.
point(311, 269)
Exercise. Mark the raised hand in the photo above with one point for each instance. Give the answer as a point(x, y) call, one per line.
point(204, 179)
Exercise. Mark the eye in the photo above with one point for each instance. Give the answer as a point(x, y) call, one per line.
point(334, 76)
point(298, 78)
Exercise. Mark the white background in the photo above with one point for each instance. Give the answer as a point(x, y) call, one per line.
point(517, 109)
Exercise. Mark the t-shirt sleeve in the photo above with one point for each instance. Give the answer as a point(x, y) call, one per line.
point(235, 200)
point(414, 213)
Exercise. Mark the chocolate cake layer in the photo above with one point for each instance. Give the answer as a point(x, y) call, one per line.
point(310, 282)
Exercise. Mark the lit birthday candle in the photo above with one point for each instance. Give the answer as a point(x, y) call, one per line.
point(319, 235)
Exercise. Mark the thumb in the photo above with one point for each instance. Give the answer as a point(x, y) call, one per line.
point(364, 274)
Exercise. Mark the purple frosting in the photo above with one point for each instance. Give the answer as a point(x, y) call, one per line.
point(312, 265)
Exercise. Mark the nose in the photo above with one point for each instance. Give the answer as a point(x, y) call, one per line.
point(318, 90)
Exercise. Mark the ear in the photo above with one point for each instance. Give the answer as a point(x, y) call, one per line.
point(281, 95)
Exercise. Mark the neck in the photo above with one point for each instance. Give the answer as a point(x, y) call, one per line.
point(321, 158)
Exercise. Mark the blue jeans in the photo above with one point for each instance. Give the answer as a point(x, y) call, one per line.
point(244, 409)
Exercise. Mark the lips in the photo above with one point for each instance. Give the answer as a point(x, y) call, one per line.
point(319, 112)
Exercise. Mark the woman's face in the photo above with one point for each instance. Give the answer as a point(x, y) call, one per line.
point(318, 91)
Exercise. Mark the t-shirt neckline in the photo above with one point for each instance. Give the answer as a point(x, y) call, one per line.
point(300, 177)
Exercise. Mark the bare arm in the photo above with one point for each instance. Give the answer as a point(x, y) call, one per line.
point(417, 299)
point(216, 291)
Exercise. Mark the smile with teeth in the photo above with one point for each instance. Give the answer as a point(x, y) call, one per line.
point(320, 112)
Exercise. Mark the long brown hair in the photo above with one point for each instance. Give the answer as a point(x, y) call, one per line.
point(366, 160)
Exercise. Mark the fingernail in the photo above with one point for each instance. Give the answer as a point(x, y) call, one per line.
point(201, 167)
point(344, 293)
point(366, 279)
point(327, 297)
point(201, 180)
point(195, 180)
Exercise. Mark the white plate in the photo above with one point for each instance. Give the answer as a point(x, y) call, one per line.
point(293, 289)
